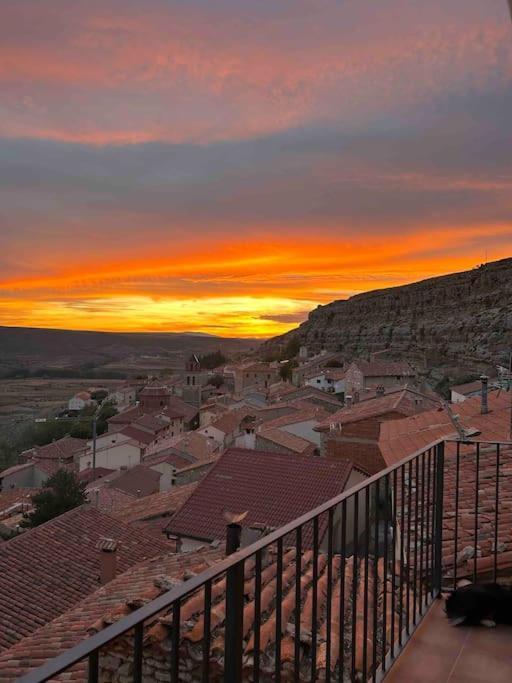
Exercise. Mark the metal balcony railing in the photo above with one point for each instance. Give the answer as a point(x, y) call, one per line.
point(333, 595)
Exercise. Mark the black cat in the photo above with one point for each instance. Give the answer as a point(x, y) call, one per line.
point(487, 604)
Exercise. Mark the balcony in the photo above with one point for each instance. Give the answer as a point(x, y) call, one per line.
point(344, 593)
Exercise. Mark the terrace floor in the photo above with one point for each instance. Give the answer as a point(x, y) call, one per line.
point(440, 653)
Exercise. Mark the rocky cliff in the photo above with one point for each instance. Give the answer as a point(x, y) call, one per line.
point(462, 320)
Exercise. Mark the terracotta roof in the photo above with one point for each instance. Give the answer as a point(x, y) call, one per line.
point(304, 412)
point(168, 456)
point(400, 438)
point(50, 466)
point(150, 423)
point(486, 508)
point(230, 421)
point(179, 408)
point(91, 474)
point(158, 631)
point(274, 487)
point(468, 387)
point(384, 368)
point(46, 570)
point(162, 504)
point(287, 440)
point(313, 395)
point(106, 499)
point(126, 416)
point(138, 435)
point(139, 480)
point(124, 594)
point(404, 401)
point(62, 449)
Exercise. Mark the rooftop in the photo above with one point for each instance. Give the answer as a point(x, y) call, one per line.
point(288, 440)
point(67, 567)
point(384, 368)
point(124, 594)
point(273, 487)
point(405, 401)
point(400, 438)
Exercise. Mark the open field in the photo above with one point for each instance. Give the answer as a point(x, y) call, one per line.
point(22, 400)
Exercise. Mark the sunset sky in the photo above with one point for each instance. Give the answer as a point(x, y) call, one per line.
point(225, 166)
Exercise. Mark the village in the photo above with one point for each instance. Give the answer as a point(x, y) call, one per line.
point(182, 461)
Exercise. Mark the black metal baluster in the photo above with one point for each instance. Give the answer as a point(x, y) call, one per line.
point(393, 563)
point(138, 635)
point(496, 513)
point(402, 555)
point(438, 539)
point(422, 531)
point(279, 605)
point(93, 667)
point(428, 568)
point(416, 519)
point(233, 635)
point(329, 596)
point(477, 484)
point(314, 617)
point(207, 630)
point(408, 549)
point(355, 543)
point(385, 573)
point(375, 580)
point(456, 522)
point(365, 596)
point(343, 553)
point(297, 610)
point(175, 647)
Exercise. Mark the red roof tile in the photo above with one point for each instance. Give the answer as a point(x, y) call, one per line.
point(405, 401)
point(46, 570)
point(287, 440)
point(123, 595)
point(400, 438)
point(162, 504)
point(274, 487)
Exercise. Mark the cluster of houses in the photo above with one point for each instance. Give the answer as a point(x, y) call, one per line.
point(178, 453)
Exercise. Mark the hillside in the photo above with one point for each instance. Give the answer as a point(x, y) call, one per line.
point(462, 320)
point(33, 348)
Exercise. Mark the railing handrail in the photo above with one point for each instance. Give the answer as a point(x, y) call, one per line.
point(86, 647)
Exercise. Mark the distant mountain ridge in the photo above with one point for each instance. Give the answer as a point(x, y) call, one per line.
point(459, 319)
point(38, 347)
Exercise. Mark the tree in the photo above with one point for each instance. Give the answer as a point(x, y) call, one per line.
point(61, 492)
point(291, 349)
point(212, 360)
point(285, 371)
point(216, 381)
point(99, 394)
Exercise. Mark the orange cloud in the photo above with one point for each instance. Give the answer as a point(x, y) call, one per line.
point(255, 288)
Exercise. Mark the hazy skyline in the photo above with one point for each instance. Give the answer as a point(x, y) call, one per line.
point(227, 166)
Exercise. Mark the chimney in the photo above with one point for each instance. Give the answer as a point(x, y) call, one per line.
point(356, 397)
point(108, 559)
point(233, 537)
point(380, 391)
point(485, 390)
point(348, 401)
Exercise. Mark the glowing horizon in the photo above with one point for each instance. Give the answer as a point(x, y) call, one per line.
point(225, 169)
